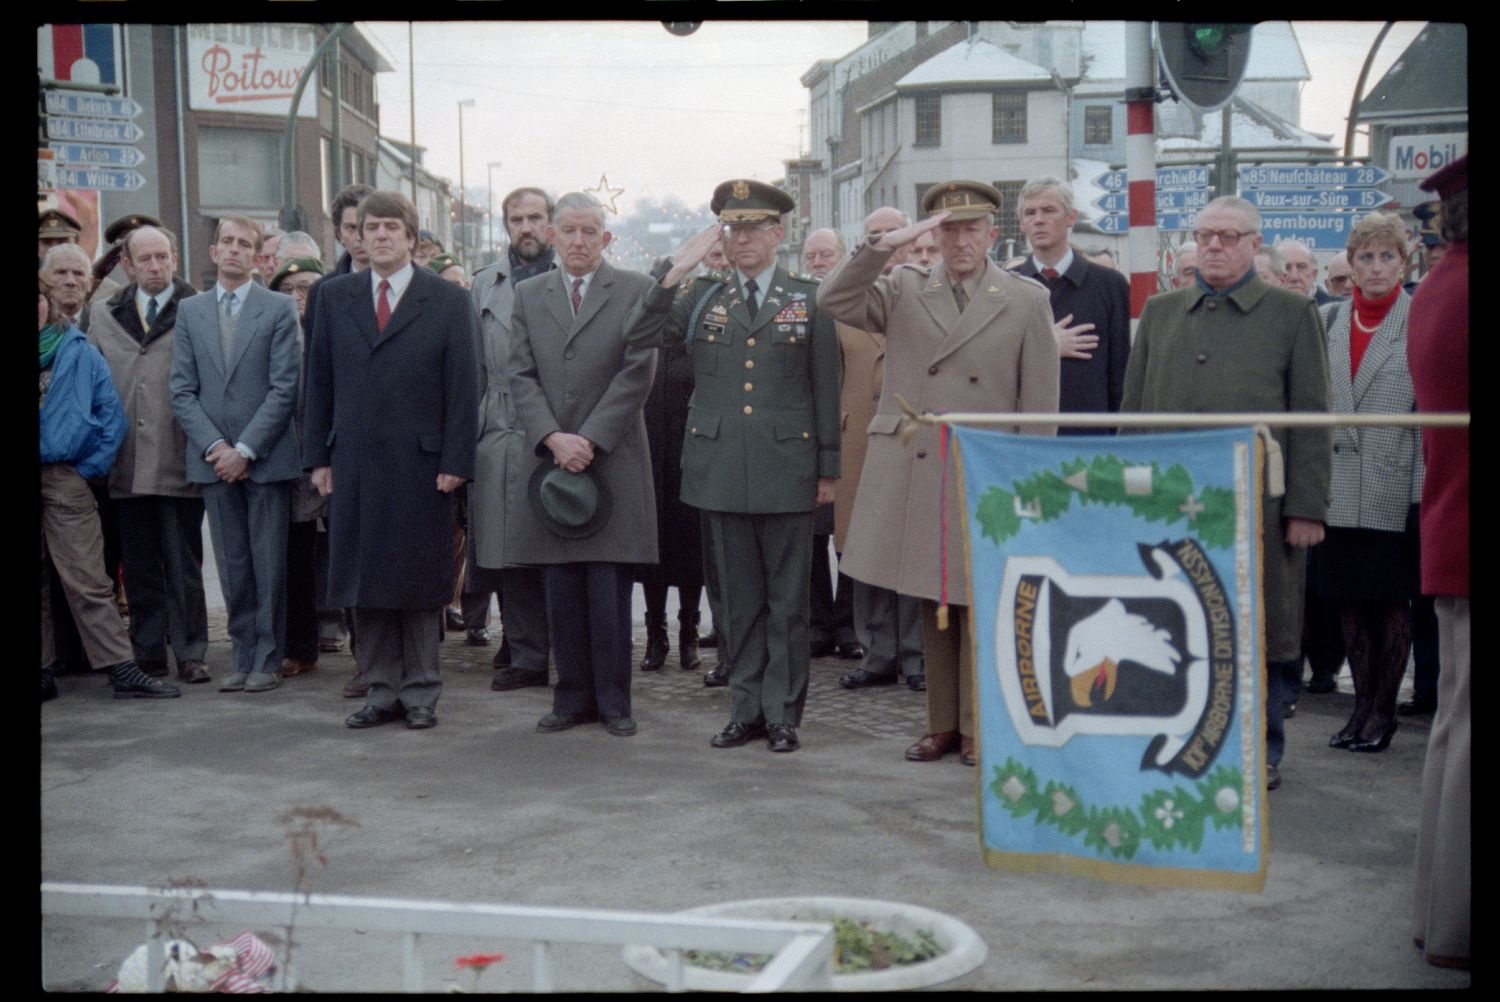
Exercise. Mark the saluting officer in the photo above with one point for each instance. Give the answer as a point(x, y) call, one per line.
point(762, 442)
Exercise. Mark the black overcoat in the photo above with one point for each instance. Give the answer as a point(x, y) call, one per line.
point(388, 412)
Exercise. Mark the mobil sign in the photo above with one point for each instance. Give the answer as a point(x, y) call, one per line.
point(1419, 156)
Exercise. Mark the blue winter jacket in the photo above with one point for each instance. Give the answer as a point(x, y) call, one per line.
point(82, 422)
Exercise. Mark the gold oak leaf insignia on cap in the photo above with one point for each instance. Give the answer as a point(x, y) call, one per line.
point(741, 189)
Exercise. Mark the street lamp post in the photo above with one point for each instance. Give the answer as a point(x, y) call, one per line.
point(463, 192)
point(490, 178)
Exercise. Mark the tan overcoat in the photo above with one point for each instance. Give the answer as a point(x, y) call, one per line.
point(1000, 354)
point(864, 373)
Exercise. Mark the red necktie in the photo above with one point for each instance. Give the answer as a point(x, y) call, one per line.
point(382, 307)
point(577, 299)
point(1049, 272)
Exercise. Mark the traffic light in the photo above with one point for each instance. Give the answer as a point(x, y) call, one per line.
point(1203, 63)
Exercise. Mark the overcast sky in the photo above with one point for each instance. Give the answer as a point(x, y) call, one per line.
point(561, 103)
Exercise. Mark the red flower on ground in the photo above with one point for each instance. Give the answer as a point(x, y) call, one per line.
point(478, 961)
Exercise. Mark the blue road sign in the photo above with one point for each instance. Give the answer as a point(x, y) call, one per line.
point(1113, 224)
point(100, 178)
point(1176, 222)
point(1115, 201)
point(1318, 230)
point(91, 105)
point(1311, 176)
point(1112, 180)
point(1317, 199)
point(93, 130)
point(1166, 201)
point(103, 156)
point(1166, 177)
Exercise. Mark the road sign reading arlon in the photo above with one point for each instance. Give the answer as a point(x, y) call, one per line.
point(103, 156)
point(1341, 198)
point(91, 105)
point(1318, 230)
point(90, 130)
point(100, 178)
point(1310, 176)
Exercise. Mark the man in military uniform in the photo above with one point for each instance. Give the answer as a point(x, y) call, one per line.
point(762, 444)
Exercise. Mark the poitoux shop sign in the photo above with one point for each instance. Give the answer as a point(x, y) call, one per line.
point(250, 68)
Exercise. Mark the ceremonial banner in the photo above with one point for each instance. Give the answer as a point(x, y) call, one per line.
point(1116, 610)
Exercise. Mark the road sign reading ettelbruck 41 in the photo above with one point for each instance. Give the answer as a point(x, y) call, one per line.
point(93, 130)
point(1166, 201)
point(1324, 199)
point(91, 105)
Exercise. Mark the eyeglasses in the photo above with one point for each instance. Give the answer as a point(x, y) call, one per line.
point(1226, 237)
point(732, 230)
point(1339, 279)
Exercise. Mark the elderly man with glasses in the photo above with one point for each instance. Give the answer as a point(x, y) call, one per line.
point(1232, 342)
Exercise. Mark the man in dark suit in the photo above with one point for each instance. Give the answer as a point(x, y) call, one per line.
point(579, 390)
point(391, 419)
point(235, 365)
point(1094, 299)
point(762, 445)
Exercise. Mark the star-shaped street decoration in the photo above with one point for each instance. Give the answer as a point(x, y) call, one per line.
point(606, 194)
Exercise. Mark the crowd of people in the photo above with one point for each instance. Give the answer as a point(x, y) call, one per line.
point(382, 446)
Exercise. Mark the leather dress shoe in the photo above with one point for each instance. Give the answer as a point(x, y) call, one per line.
point(518, 678)
point(861, 679)
point(235, 682)
point(554, 722)
point(330, 645)
point(820, 648)
point(420, 718)
point(1273, 777)
point(477, 636)
point(1378, 744)
point(453, 619)
point(1320, 684)
point(620, 727)
point(917, 683)
point(356, 687)
point(129, 682)
point(737, 734)
point(261, 681)
point(1344, 738)
point(932, 747)
point(371, 716)
point(153, 667)
point(851, 650)
point(1418, 705)
point(194, 671)
point(296, 666)
point(718, 676)
point(966, 753)
point(782, 738)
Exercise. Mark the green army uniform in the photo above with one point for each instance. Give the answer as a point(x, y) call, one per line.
point(762, 427)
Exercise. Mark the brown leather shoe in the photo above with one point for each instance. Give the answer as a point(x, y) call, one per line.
point(966, 753)
point(293, 666)
point(932, 747)
point(356, 687)
point(192, 671)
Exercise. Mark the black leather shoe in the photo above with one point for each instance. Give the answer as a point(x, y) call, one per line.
point(553, 722)
point(851, 650)
point(820, 648)
point(1320, 684)
point(371, 716)
point(861, 679)
point(1344, 738)
point(477, 636)
point(454, 619)
point(1273, 777)
point(687, 649)
point(717, 677)
point(129, 682)
point(420, 718)
point(737, 734)
point(518, 678)
point(782, 738)
point(917, 683)
point(620, 727)
point(1377, 745)
point(1418, 705)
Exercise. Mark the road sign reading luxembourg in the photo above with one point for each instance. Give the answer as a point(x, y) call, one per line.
point(100, 178)
point(1166, 177)
point(103, 156)
point(1311, 176)
point(1327, 198)
point(91, 105)
point(1318, 230)
point(91, 130)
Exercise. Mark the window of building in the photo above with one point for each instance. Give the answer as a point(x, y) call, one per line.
point(929, 120)
point(922, 188)
point(1010, 219)
point(239, 168)
point(1008, 117)
point(1098, 125)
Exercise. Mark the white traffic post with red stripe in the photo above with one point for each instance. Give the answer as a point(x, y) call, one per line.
point(1140, 162)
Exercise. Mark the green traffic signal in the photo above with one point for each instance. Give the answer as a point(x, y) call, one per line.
point(1207, 37)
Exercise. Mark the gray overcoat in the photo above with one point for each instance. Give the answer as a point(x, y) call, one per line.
point(501, 454)
point(577, 374)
